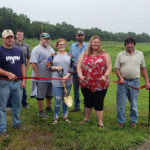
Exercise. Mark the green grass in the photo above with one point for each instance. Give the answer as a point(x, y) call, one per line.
point(41, 134)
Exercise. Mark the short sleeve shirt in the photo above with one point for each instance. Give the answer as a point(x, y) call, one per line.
point(63, 61)
point(24, 49)
point(130, 65)
point(76, 51)
point(11, 60)
point(39, 55)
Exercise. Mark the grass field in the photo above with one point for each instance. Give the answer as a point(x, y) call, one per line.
point(42, 135)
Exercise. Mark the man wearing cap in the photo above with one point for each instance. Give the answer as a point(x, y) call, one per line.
point(76, 49)
point(21, 45)
point(11, 67)
point(39, 57)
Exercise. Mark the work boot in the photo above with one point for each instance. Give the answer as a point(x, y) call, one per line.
point(133, 125)
point(20, 127)
point(4, 134)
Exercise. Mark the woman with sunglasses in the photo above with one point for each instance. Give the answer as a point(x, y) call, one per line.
point(61, 65)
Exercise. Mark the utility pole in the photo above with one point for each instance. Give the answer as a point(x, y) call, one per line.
point(42, 27)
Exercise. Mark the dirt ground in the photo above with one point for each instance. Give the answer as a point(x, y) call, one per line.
point(144, 146)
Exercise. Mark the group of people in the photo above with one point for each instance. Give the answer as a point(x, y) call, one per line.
point(87, 64)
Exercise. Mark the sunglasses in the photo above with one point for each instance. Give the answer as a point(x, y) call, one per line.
point(45, 36)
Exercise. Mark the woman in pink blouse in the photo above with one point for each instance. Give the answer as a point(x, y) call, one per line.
point(94, 67)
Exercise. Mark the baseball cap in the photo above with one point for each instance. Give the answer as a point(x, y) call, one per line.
point(80, 32)
point(7, 33)
point(45, 35)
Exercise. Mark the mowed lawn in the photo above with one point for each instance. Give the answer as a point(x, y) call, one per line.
point(42, 135)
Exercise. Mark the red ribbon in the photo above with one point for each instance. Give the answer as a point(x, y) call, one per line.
point(141, 87)
point(39, 78)
point(45, 78)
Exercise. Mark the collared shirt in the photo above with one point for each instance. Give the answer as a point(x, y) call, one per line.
point(76, 51)
point(24, 49)
point(130, 64)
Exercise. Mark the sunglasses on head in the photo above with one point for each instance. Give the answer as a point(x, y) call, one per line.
point(46, 36)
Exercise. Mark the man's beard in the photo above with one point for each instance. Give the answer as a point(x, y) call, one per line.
point(46, 45)
point(130, 50)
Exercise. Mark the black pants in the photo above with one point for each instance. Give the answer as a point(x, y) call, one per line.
point(94, 99)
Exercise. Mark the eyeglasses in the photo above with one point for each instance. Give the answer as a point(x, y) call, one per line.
point(61, 44)
point(96, 42)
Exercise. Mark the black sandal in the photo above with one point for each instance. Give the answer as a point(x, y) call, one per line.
point(55, 121)
point(84, 121)
point(67, 120)
point(100, 126)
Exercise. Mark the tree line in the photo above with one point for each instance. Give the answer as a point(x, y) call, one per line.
point(32, 29)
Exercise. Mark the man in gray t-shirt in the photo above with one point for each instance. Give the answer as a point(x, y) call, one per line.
point(39, 57)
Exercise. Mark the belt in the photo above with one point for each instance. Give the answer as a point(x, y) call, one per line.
point(130, 79)
point(17, 80)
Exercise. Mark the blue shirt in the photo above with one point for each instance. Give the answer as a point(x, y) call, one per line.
point(11, 60)
point(76, 51)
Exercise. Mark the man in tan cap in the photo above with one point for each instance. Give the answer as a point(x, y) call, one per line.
point(24, 48)
point(11, 67)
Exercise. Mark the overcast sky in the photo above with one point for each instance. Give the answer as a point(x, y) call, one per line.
point(109, 15)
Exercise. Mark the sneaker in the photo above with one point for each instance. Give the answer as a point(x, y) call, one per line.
point(4, 134)
point(133, 125)
point(26, 106)
point(33, 96)
point(20, 127)
point(75, 110)
point(8, 108)
point(49, 109)
point(43, 115)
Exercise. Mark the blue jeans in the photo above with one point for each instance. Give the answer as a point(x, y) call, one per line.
point(58, 95)
point(10, 89)
point(24, 99)
point(124, 91)
point(76, 92)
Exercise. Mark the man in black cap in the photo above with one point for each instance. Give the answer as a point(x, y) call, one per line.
point(76, 49)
